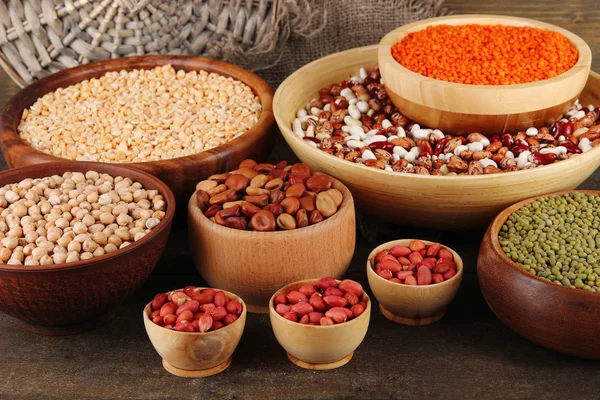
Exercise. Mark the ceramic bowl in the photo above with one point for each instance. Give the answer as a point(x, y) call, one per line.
point(255, 264)
point(441, 202)
point(75, 297)
point(553, 316)
point(196, 354)
point(180, 174)
point(318, 347)
point(462, 109)
point(413, 305)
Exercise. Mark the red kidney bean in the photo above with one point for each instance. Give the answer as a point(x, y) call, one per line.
point(556, 130)
point(571, 148)
point(543, 159)
point(332, 291)
point(568, 128)
point(439, 146)
point(159, 300)
point(295, 297)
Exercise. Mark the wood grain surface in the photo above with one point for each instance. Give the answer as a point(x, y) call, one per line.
point(469, 354)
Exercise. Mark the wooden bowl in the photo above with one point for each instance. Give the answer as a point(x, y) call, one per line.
point(553, 316)
point(413, 305)
point(255, 264)
point(462, 109)
point(196, 354)
point(318, 347)
point(442, 201)
point(74, 297)
point(180, 174)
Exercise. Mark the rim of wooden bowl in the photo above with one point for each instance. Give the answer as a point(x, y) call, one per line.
point(366, 297)
point(345, 204)
point(68, 166)
point(385, 56)
point(457, 258)
point(501, 218)
point(11, 114)
point(147, 311)
point(339, 163)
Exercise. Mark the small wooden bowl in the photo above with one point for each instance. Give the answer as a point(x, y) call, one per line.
point(75, 297)
point(413, 305)
point(445, 202)
point(462, 109)
point(553, 316)
point(255, 264)
point(196, 354)
point(180, 174)
point(318, 347)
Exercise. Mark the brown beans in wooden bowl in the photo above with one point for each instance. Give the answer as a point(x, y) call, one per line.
point(171, 145)
point(255, 263)
point(77, 284)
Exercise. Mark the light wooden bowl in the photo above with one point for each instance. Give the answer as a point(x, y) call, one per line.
point(413, 305)
point(64, 299)
point(441, 201)
point(318, 347)
point(180, 174)
point(255, 264)
point(196, 354)
point(462, 109)
point(553, 316)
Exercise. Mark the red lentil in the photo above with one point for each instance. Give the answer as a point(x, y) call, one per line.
point(486, 54)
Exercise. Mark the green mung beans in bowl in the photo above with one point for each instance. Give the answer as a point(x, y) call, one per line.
point(557, 238)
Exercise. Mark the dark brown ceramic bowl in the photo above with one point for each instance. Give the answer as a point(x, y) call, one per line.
point(75, 297)
point(180, 174)
point(561, 318)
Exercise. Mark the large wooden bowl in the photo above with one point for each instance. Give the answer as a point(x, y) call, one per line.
point(318, 347)
point(561, 318)
point(462, 109)
point(413, 305)
point(180, 174)
point(196, 354)
point(74, 297)
point(256, 264)
point(443, 202)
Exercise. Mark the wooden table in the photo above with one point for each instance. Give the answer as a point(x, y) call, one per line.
point(468, 354)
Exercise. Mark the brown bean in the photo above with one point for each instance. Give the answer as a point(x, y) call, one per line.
point(278, 173)
point(276, 196)
point(224, 197)
point(318, 183)
point(301, 219)
point(286, 222)
point(259, 181)
point(295, 179)
point(264, 168)
point(206, 185)
point(301, 169)
point(202, 199)
point(290, 205)
point(216, 190)
point(249, 173)
point(296, 190)
point(274, 208)
point(248, 163)
point(308, 203)
point(274, 184)
point(234, 211)
point(326, 204)
point(263, 221)
point(237, 182)
point(212, 210)
point(258, 201)
point(338, 197)
point(254, 191)
point(232, 203)
point(249, 209)
point(314, 217)
point(219, 218)
point(220, 178)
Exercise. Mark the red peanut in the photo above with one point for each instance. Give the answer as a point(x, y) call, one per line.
point(216, 325)
point(207, 307)
point(191, 306)
point(416, 245)
point(404, 274)
point(326, 321)
point(449, 274)
point(400, 251)
point(324, 283)
point(179, 298)
point(304, 320)
point(308, 290)
point(220, 299)
point(337, 314)
point(315, 317)
point(205, 323)
point(158, 320)
point(280, 299)
point(350, 286)
point(204, 298)
point(302, 308)
point(444, 254)
point(281, 309)
point(357, 309)
point(169, 319)
point(404, 261)
point(335, 301)
point(291, 316)
point(295, 297)
point(410, 280)
point(415, 257)
point(433, 250)
point(184, 326)
point(392, 266)
point(351, 298)
point(218, 313)
point(168, 308)
point(437, 278)
point(317, 302)
point(185, 316)
point(423, 275)
point(385, 274)
point(234, 307)
point(380, 255)
point(331, 291)
point(159, 301)
point(230, 319)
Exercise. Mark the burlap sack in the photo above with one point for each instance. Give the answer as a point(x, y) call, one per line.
point(310, 29)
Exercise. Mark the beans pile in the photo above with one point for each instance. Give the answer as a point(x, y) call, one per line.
point(140, 115)
point(73, 217)
point(266, 197)
point(486, 54)
point(357, 121)
point(557, 239)
point(194, 310)
point(415, 264)
point(324, 303)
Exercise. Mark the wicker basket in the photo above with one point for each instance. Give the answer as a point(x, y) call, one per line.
point(39, 37)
